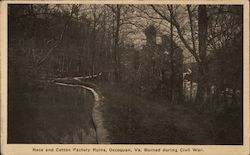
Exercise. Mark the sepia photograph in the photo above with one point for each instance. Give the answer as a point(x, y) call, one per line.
point(125, 74)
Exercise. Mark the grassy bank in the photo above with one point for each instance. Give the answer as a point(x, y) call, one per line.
point(130, 118)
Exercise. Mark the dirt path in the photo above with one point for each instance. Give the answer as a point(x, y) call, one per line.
point(101, 132)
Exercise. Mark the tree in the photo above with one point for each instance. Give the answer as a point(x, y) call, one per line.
point(116, 9)
point(59, 41)
point(202, 69)
point(170, 8)
point(201, 32)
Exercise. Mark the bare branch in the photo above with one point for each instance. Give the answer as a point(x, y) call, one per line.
point(177, 26)
point(40, 62)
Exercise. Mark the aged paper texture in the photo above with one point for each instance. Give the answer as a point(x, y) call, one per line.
point(124, 77)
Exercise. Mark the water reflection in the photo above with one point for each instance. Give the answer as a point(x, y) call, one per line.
point(53, 114)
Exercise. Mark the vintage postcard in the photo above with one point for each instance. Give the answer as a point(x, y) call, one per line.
point(124, 77)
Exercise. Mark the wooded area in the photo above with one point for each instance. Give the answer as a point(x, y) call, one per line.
point(190, 55)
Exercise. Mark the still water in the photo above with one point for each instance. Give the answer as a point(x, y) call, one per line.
point(52, 114)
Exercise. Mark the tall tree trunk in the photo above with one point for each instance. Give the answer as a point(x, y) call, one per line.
point(93, 46)
point(113, 53)
point(172, 92)
point(117, 57)
point(202, 65)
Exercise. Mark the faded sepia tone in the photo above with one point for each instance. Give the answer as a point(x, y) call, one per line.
point(126, 74)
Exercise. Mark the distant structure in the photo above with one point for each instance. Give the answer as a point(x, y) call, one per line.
point(160, 64)
point(150, 33)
